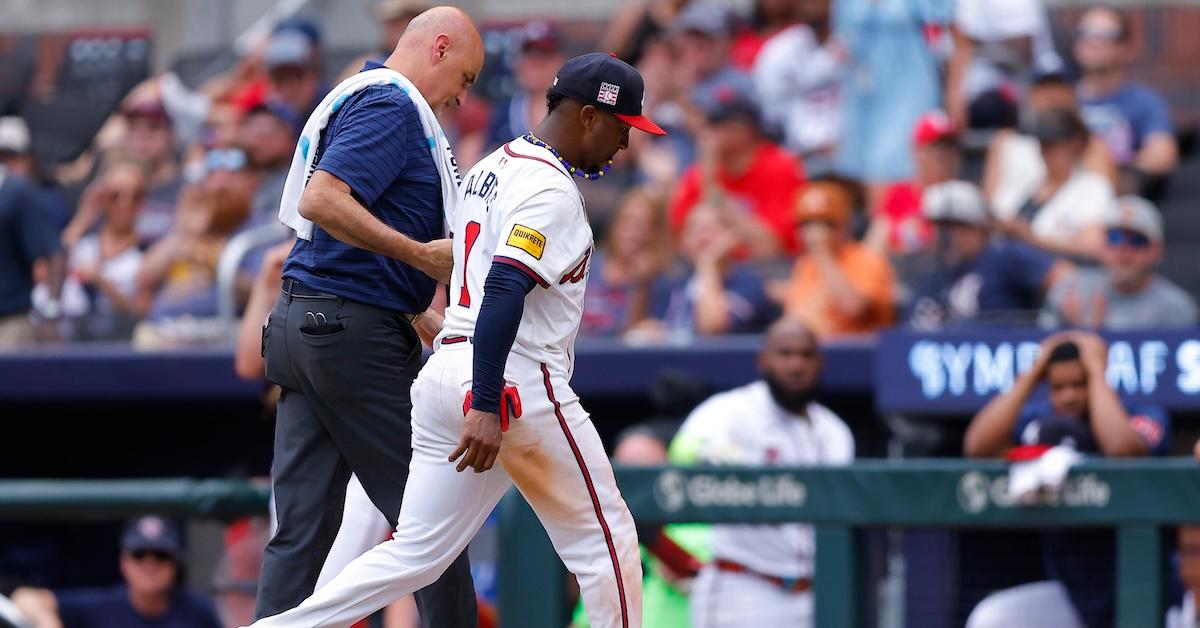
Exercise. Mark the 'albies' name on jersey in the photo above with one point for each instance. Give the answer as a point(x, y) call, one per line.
point(521, 207)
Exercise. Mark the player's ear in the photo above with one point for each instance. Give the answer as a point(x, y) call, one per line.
point(588, 116)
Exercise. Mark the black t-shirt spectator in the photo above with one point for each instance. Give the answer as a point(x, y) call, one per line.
point(1006, 280)
point(27, 233)
point(110, 608)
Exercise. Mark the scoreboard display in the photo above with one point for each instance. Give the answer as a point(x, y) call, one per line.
point(66, 84)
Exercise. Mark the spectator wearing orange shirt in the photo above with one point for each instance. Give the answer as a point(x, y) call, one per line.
point(839, 286)
point(744, 173)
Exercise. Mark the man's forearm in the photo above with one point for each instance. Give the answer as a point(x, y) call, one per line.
point(248, 351)
point(964, 49)
point(1110, 422)
point(347, 220)
point(712, 306)
point(1158, 156)
point(57, 274)
point(496, 328)
point(989, 431)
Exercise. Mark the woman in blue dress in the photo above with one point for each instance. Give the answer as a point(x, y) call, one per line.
point(892, 79)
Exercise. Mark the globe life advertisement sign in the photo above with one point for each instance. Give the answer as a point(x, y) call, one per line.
point(977, 492)
point(674, 490)
point(957, 372)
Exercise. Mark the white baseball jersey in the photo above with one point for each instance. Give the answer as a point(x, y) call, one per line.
point(745, 426)
point(521, 207)
point(799, 82)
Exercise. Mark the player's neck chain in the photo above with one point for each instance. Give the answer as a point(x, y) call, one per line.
point(533, 139)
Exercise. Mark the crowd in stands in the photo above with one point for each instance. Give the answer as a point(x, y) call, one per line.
point(852, 163)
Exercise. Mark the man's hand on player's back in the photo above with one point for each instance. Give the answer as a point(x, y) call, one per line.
point(480, 441)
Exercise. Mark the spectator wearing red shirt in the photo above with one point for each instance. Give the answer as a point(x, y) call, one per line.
point(745, 174)
point(898, 228)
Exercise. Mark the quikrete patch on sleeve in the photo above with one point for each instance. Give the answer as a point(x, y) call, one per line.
point(529, 240)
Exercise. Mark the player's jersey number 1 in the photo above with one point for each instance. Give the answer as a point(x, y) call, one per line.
point(470, 235)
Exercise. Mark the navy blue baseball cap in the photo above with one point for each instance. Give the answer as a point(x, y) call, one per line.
point(607, 83)
point(151, 532)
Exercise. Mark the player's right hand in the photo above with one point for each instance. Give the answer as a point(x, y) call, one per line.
point(437, 259)
point(480, 442)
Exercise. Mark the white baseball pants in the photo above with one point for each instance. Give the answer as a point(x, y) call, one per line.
point(363, 527)
point(554, 457)
point(1035, 605)
point(723, 599)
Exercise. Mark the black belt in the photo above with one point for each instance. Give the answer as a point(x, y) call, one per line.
point(293, 288)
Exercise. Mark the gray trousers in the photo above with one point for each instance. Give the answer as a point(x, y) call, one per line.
point(345, 369)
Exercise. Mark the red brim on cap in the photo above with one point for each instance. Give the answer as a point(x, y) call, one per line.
point(1025, 453)
point(642, 123)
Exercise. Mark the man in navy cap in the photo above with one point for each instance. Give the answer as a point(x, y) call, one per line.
point(540, 56)
point(151, 560)
point(293, 59)
point(502, 369)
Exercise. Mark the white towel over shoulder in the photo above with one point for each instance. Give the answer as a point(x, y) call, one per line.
point(302, 160)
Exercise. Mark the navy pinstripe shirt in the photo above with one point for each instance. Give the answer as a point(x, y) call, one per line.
point(375, 144)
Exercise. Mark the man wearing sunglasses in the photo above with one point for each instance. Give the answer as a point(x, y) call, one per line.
point(1133, 119)
point(152, 594)
point(1126, 293)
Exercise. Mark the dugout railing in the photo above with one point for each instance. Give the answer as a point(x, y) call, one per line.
point(1136, 497)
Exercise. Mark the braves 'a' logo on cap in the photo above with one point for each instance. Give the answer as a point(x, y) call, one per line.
point(608, 94)
point(151, 527)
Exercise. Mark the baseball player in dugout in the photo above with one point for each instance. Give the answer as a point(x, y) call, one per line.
point(493, 406)
point(370, 191)
point(761, 575)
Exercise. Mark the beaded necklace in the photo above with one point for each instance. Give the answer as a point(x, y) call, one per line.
point(533, 139)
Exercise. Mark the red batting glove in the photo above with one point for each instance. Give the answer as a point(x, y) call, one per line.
point(510, 404)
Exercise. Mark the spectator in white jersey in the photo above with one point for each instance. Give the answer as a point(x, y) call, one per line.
point(798, 78)
point(762, 575)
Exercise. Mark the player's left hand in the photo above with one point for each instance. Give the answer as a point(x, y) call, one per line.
point(428, 325)
point(1092, 350)
point(480, 441)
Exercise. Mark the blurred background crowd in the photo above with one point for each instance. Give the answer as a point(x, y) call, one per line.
point(856, 164)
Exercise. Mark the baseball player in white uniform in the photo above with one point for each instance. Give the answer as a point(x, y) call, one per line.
point(761, 575)
point(497, 387)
